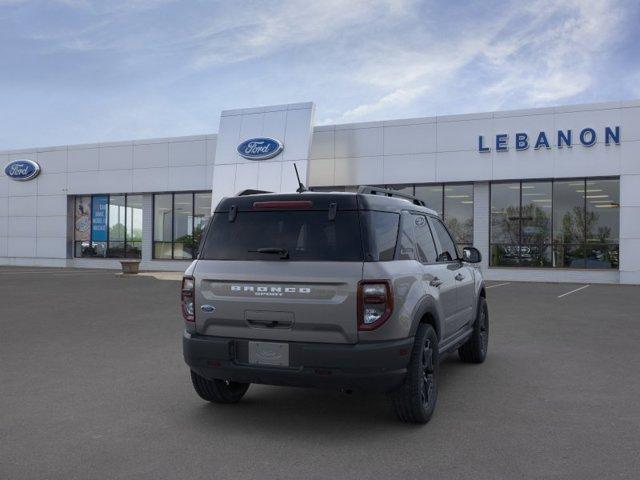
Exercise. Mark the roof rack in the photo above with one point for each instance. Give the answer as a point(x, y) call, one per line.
point(251, 191)
point(367, 190)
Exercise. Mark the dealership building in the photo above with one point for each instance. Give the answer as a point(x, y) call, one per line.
point(549, 194)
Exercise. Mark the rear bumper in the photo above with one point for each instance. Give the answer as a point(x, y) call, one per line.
point(373, 366)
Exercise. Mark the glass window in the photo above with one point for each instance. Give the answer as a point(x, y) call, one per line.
point(201, 213)
point(383, 227)
point(303, 235)
point(134, 226)
point(108, 226)
point(179, 220)
point(431, 195)
point(563, 224)
point(458, 212)
point(407, 238)
point(568, 211)
point(162, 225)
point(424, 240)
point(536, 224)
point(446, 248)
point(183, 226)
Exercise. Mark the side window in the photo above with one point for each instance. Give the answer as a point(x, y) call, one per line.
point(447, 250)
point(407, 241)
point(424, 240)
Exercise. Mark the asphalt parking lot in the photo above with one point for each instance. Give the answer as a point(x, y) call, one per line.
point(93, 386)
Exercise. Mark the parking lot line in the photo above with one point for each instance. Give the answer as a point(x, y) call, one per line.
point(498, 285)
point(573, 291)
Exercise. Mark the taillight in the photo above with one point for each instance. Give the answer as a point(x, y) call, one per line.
point(187, 299)
point(375, 303)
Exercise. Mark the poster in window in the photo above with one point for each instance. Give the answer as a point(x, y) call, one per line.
point(99, 218)
point(83, 219)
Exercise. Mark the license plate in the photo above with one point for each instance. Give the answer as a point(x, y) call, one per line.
point(269, 353)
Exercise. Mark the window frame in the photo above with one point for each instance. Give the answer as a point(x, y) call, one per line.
point(108, 240)
point(196, 251)
point(436, 239)
point(553, 245)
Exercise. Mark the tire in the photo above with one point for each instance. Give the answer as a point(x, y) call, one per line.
point(218, 391)
point(415, 400)
point(475, 349)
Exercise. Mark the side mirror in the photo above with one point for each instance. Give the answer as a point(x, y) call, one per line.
point(471, 255)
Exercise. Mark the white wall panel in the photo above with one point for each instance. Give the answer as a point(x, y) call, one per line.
point(51, 247)
point(83, 183)
point(362, 142)
point(115, 181)
point(21, 247)
point(322, 145)
point(297, 137)
point(630, 124)
point(397, 168)
point(22, 188)
point(83, 159)
point(463, 135)
point(269, 176)
point(630, 157)
point(22, 227)
point(151, 155)
point(54, 161)
point(54, 226)
point(4, 226)
point(187, 153)
point(4, 206)
point(116, 158)
point(189, 178)
point(420, 138)
point(52, 184)
point(22, 206)
point(51, 205)
point(359, 171)
point(150, 179)
point(321, 172)
point(456, 167)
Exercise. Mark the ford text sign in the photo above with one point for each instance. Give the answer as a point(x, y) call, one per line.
point(260, 148)
point(22, 170)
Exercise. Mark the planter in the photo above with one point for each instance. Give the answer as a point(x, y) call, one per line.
point(130, 266)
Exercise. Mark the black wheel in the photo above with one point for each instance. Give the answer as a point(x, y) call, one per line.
point(218, 391)
point(415, 400)
point(475, 350)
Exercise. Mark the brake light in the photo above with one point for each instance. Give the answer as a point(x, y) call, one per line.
point(187, 299)
point(375, 303)
point(286, 204)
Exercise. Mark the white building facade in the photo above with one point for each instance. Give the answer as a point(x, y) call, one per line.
point(548, 194)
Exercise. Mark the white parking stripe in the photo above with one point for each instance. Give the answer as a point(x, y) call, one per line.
point(498, 285)
point(573, 291)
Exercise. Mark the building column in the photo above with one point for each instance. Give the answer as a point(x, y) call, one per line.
point(481, 221)
point(147, 227)
point(630, 229)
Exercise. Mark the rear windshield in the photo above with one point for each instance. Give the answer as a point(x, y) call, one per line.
point(303, 235)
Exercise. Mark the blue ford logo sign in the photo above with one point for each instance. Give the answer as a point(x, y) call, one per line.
point(22, 170)
point(260, 148)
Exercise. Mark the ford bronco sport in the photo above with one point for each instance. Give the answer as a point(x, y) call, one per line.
point(348, 291)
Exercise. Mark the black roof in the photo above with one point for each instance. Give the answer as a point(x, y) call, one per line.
point(321, 201)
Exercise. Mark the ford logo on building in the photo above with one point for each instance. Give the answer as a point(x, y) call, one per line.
point(22, 170)
point(260, 148)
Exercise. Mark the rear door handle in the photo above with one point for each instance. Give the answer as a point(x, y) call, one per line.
point(436, 282)
point(459, 277)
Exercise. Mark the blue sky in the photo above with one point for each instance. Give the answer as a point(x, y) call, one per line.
point(79, 71)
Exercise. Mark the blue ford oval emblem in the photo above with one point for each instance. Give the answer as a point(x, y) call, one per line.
point(207, 308)
point(260, 148)
point(22, 170)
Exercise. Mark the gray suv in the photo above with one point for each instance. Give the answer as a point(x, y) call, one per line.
point(336, 290)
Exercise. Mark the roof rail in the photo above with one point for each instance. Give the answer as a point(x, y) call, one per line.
point(367, 190)
point(250, 191)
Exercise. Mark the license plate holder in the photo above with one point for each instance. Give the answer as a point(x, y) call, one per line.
point(269, 353)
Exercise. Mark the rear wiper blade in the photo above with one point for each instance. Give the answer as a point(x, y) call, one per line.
point(283, 252)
